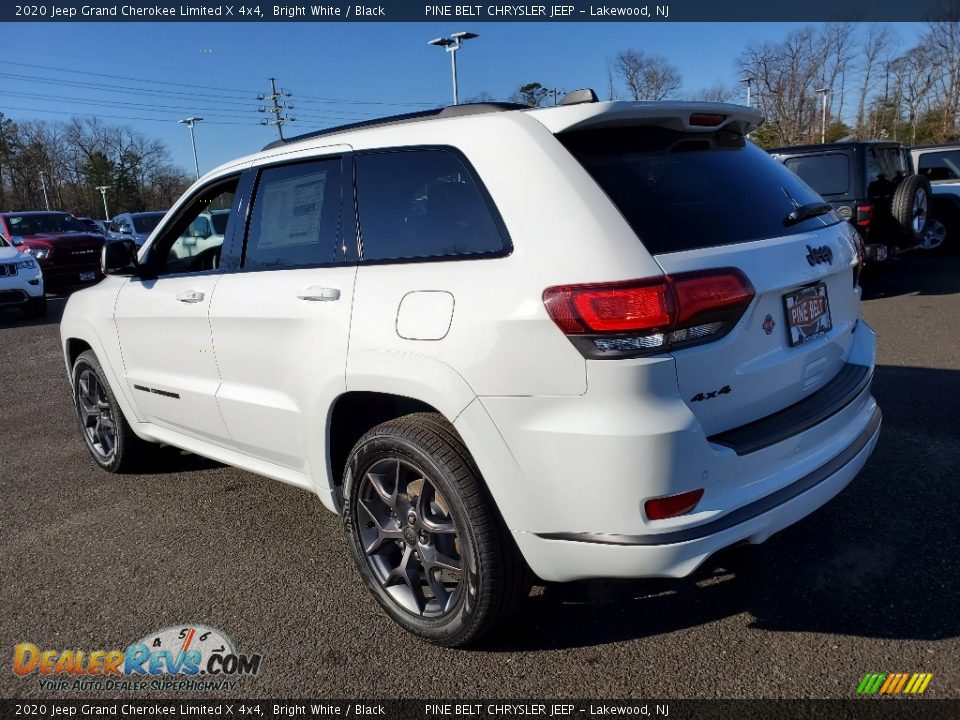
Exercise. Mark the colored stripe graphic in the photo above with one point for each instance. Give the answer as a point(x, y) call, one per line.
point(894, 683)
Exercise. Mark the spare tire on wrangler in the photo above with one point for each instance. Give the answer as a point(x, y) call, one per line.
point(911, 207)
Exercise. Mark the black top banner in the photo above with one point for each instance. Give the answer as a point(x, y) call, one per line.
point(332, 11)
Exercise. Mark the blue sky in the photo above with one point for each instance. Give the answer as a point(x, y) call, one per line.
point(149, 75)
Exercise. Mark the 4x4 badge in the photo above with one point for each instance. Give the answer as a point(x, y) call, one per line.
point(822, 254)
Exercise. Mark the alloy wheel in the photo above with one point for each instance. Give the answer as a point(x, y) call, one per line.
point(410, 538)
point(919, 211)
point(96, 415)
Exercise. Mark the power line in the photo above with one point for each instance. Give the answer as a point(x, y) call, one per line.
point(112, 117)
point(237, 93)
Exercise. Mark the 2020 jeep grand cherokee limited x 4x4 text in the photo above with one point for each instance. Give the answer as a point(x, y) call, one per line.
point(597, 340)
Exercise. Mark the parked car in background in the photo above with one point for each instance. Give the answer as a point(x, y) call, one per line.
point(21, 280)
point(68, 252)
point(940, 164)
point(593, 340)
point(135, 226)
point(872, 185)
point(93, 225)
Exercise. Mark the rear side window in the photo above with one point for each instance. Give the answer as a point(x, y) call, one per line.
point(680, 191)
point(827, 174)
point(296, 217)
point(419, 204)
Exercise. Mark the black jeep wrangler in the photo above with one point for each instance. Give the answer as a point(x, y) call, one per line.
point(873, 185)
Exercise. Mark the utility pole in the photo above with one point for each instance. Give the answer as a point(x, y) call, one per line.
point(277, 108)
point(451, 45)
point(43, 184)
point(190, 122)
point(823, 119)
point(103, 191)
point(556, 93)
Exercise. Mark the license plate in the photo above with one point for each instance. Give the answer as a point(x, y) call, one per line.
point(88, 276)
point(808, 313)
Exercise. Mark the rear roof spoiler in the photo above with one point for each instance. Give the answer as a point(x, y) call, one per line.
point(680, 115)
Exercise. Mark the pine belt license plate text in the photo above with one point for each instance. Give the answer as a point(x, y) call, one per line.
point(808, 313)
point(87, 276)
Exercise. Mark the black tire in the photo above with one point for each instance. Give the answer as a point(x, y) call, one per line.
point(493, 577)
point(911, 207)
point(126, 451)
point(36, 307)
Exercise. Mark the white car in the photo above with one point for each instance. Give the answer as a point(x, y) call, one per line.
point(21, 280)
point(596, 340)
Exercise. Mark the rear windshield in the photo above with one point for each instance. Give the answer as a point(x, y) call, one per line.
point(146, 222)
point(827, 174)
point(941, 165)
point(681, 191)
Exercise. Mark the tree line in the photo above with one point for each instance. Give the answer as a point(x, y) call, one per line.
point(872, 87)
point(71, 159)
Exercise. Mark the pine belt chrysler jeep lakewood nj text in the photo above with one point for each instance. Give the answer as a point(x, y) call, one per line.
point(596, 340)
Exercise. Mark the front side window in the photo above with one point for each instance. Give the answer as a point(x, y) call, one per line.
point(296, 217)
point(190, 244)
point(426, 203)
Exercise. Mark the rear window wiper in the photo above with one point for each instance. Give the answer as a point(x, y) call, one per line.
point(805, 212)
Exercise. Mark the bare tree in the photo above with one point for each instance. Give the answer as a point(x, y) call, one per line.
point(647, 77)
point(717, 92)
point(874, 58)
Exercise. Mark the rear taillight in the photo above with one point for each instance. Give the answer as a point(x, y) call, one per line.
point(644, 317)
point(706, 120)
point(672, 506)
point(864, 215)
point(861, 258)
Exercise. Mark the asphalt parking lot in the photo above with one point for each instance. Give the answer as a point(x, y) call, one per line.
point(871, 583)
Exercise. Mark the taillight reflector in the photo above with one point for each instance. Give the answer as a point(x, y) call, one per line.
point(864, 215)
point(672, 505)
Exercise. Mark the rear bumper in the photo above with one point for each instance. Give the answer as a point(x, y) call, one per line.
point(679, 553)
point(572, 474)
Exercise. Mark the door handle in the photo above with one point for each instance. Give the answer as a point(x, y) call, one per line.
point(190, 296)
point(319, 294)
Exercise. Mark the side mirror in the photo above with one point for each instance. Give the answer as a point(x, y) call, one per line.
point(16, 241)
point(126, 230)
point(120, 258)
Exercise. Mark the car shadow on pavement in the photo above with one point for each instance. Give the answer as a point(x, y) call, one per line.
point(13, 316)
point(879, 561)
point(916, 272)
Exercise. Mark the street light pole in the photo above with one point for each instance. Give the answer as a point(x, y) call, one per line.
point(190, 122)
point(451, 45)
point(103, 191)
point(43, 184)
point(823, 118)
point(749, 81)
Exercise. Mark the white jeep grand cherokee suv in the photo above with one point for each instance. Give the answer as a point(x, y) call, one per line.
point(596, 340)
point(21, 281)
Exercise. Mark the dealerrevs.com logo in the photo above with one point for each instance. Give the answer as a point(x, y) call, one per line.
point(188, 658)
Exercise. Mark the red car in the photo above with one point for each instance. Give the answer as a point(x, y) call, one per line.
point(68, 252)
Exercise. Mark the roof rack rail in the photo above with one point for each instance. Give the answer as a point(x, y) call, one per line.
point(445, 112)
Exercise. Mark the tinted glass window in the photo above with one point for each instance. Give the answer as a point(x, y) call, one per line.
point(422, 204)
point(145, 222)
point(681, 191)
point(827, 174)
point(37, 223)
point(296, 217)
point(944, 165)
